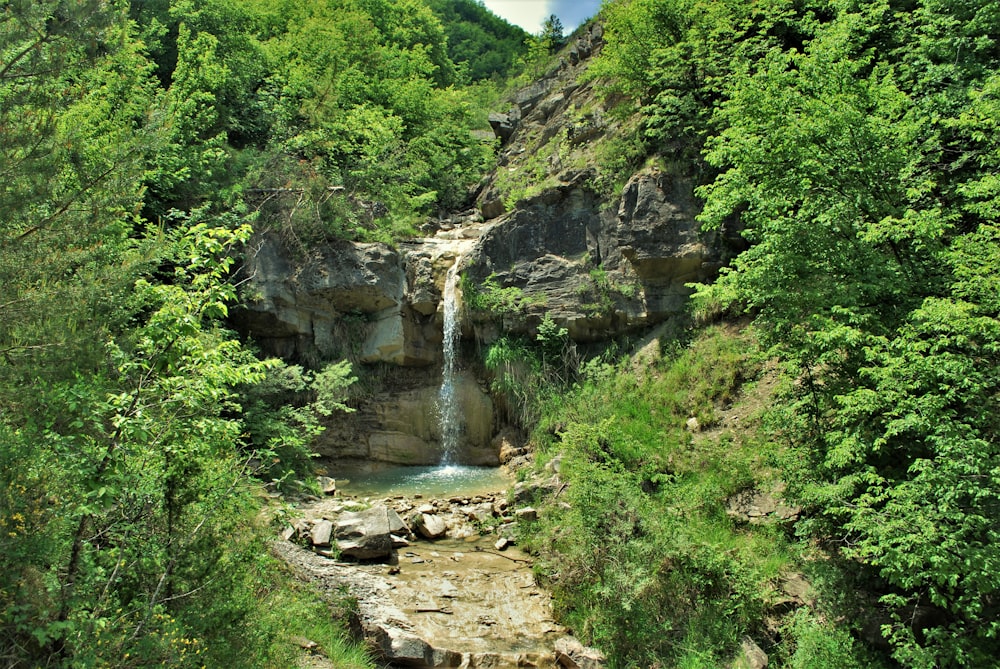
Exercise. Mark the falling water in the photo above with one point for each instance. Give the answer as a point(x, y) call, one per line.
point(448, 409)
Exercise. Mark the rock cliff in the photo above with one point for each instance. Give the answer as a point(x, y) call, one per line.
point(600, 262)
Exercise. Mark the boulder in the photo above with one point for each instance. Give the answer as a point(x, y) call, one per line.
point(422, 294)
point(480, 513)
point(526, 514)
point(430, 526)
point(571, 654)
point(399, 646)
point(751, 656)
point(321, 532)
point(367, 535)
point(492, 208)
point(327, 485)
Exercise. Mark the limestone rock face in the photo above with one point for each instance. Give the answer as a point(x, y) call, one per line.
point(598, 270)
point(400, 424)
point(340, 298)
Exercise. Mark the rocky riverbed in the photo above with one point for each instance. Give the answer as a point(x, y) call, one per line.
point(439, 582)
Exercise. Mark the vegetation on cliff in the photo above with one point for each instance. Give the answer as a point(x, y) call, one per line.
point(856, 144)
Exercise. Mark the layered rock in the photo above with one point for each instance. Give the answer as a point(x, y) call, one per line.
point(599, 270)
point(367, 302)
point(399, 424)
point(344, 300)
point(374, 305)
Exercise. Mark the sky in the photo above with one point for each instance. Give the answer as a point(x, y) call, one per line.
point(530, 14)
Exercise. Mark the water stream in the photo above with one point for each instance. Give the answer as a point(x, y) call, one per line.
point(449, 412)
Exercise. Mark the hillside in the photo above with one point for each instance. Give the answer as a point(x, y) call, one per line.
point(728, 276)
point(853, 147)
point(485, 45)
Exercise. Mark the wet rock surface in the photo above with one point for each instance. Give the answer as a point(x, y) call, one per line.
point(467, 598)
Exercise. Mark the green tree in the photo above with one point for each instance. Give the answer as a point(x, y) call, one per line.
point(867, 275)
point(481, 42)
point(125, 498)
point(552, 33)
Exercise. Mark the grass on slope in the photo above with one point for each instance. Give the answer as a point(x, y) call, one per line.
point(642, 557)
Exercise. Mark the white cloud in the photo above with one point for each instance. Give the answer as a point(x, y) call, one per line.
point(529, 14)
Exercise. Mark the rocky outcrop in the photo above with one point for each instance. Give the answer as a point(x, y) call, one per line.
point(399, 424)
point(544, 96)
point(598, 270)
point(599, 266)
point(344, 300)
point(760, 507)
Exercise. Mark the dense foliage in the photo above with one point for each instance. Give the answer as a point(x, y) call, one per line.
point(139, 142)
point(641, 554)
point(856, 143)
point(486, 46)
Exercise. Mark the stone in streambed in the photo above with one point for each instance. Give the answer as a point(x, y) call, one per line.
point(367, 535)
point(327, 485)
point(430, 526)
point(320, 533)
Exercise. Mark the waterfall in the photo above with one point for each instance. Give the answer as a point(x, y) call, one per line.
point(448, 409)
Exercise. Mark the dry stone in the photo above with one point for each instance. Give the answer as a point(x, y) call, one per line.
point(751, 656)
point(571, 654)
point(430, 525)
point(327, 485)
point(367, 535)
point(526, 514)
point(321, 532)
point(526, 492)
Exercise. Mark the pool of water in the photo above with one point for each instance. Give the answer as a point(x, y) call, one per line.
point(374, 480)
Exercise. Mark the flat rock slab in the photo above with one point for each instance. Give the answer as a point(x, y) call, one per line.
point(468, 598)
point(450, 603)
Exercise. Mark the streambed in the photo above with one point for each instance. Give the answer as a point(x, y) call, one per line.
point(467, 599)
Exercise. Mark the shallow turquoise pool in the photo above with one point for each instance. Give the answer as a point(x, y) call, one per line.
point(375, 480)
